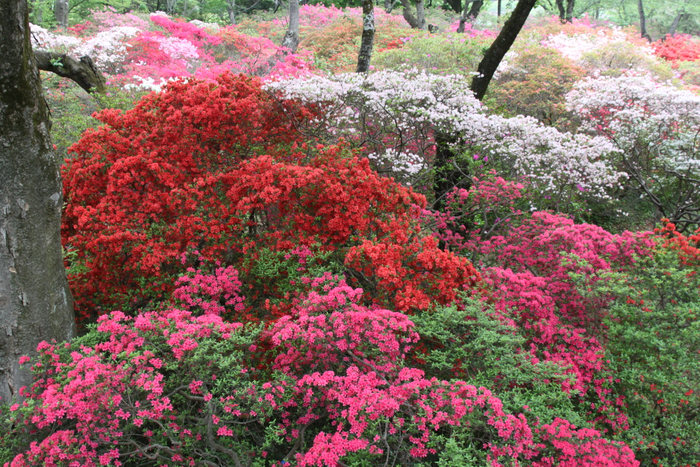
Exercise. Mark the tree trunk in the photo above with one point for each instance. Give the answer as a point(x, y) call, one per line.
point(420, 14)
point(643, 21)
point(566, 13)
point(416, 21)
point(291, 38)
point(562, 10)
point(676, 21)
point(170, 6)
point(476, 8)
point(447, 178)
point(456, 5)
point(469, 14)
point(368, 29)
point(60, 11)
point(35, 302)
point(570, 11)
point(500, 46)
point(231, 15)
point(389, 5)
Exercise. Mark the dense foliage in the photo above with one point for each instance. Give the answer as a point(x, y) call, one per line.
point(265, 275)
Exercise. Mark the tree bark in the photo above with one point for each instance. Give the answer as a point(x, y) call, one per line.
point(231, 10)
point(570, 10)
point(60, 11)
point(643, 21)
point(456, 5)
point(446, 178)
point(291, 38)
point(475, 9)
point(416, 21)
point(469, 14)
point(368, 29)
point(562, 10)
point(83, 71)
point(389, 5)
point(499, 48)
point(35, 302)
point(566, 13)
point(676, 22)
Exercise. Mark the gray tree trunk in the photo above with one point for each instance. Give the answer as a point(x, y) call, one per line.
point(416, 21)
point(469, 14)
point(60, 11)
point(35, 303)
point(676, 22)
point(231, 9)
point(170, 6)
point(83, 71)
point(291, 38)
point(368, 29)
point(389, 5)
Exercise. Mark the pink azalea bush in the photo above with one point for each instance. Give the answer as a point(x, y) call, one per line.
point(139, 53)
point(325, 385)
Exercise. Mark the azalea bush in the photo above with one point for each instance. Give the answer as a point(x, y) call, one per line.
point(653, 350)
point(535, 83)
point(293, 288)
point(139, 52)
point(181, 386)
point(183, 172)
point(393, 116)
point(678, 48)
point(655, 128)
point(434, 53)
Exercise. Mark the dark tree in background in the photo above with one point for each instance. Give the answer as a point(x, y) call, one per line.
point(566, 10)
point(35, 303)
point(494, 55)
point(643, 21)
point(469, 14)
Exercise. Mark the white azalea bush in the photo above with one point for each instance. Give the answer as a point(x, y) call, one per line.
point(656, 129)
point(392, 117)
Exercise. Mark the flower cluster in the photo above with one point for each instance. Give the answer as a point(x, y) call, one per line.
point(654, 127)
point(137, 53)
point(176, 388)
point(394, 116)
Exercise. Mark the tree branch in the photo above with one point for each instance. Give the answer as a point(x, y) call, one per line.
point(83, 71)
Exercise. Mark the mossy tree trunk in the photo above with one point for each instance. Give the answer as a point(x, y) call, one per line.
point(291, 38)
point(368, 29)
point(35, 302)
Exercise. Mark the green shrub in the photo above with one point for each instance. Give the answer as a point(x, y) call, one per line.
point(653, 346)
point(434, 53)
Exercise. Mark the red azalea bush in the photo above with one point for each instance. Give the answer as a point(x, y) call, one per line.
point(687, 247)
point(678, 48)
point(138, 189)
point(179, 173)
